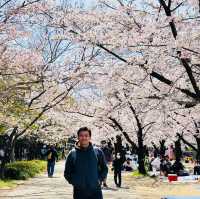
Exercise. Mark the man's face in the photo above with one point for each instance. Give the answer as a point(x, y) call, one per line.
point(103, 144)
point(84, 138)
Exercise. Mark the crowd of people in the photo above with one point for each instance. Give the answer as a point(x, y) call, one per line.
point(119, 161)
point(87, 165)
point(166, 165)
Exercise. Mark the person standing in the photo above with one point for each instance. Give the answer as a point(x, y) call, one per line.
point(52, 157)
point(85, 167)
point(108, 157)
point(171, 152)
point(197, 168)
point(117, 167)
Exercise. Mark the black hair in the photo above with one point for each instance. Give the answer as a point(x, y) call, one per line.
point(84, 129)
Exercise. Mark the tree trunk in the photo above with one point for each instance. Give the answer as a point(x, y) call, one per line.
point(2, 171)
point(178, 150)
point(141, 153)
point(141, 167)
point(12, 152)
point(162, 148)
point(11, 141)
point(198, 148)
point(156, 150)
point(141, 149)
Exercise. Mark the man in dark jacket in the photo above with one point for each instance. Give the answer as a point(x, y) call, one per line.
point(117, 167)
point(52, 156)
point(86, 167)
point(108, 157)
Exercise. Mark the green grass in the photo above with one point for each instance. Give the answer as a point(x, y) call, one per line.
point(137, 174)
point(7, 184)
point(22, 170)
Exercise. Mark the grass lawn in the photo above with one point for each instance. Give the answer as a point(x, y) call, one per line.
point(7, 184)
point(137, 174)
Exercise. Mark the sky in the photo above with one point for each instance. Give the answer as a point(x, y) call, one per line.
point(88, 3)
point(91, 3)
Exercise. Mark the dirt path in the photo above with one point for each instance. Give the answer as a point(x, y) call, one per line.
point(42, 187)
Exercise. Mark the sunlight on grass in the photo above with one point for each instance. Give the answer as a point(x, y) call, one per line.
point(137, 174)
point(7, 184)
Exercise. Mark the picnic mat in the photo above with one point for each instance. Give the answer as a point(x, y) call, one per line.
point(184, 179)
point(182, 197)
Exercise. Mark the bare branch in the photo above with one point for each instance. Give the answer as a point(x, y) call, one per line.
point(36, 97)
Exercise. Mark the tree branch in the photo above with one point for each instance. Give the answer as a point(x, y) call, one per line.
point(191, 77)
point(5, 3)
point(148, 124)
point(116, 123)
point(186, 142)
point(172, 10)
point(35, 98)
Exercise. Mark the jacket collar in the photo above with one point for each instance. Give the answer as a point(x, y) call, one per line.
point(77, 146)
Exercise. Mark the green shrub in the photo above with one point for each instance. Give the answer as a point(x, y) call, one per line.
point(22, 170)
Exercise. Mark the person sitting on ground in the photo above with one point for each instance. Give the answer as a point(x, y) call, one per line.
point(178, 169)
point(117, 167)
point(197, 168)
point(156, 164)
point(150, 168)
point(135, 163)
point(162, 168)
point(127, 165)
point(165, 166)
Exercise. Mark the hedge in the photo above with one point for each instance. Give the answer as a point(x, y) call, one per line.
point(22, 170)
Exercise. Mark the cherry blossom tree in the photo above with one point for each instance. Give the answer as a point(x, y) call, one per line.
point(36, 75)
point(128, 67)
point(157, 41)
point(143, 35)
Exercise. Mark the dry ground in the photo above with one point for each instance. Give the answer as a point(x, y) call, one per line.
point(42, 187)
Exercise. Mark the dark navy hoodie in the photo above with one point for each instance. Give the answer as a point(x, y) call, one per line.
point(88, 168)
